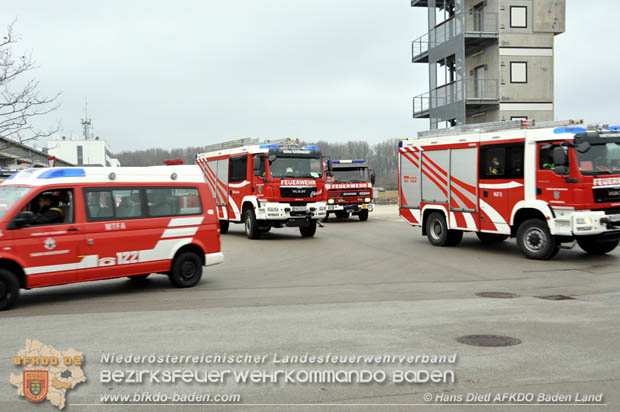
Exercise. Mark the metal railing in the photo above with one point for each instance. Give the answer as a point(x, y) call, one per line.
point(482, 89)
point(481, 22)
point(419, 46)
point(470, 89)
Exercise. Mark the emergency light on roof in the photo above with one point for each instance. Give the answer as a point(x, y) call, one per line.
point(560, 130)
point(62, 172)
point(347, 161)
point(269, 146)
point(614, 128)
point(311, 147)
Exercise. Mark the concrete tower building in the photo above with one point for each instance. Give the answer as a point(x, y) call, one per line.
point(488, 60)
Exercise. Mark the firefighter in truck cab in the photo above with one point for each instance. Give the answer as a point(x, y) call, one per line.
point(49, 212)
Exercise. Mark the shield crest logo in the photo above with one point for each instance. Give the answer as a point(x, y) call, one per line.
point(35, 385)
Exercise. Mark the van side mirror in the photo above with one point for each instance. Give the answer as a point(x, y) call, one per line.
point(583, 147)
point(372, 176)
point(23, 218)
point(330, 169)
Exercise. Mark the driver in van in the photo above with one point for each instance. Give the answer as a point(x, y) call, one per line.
point(49, 212)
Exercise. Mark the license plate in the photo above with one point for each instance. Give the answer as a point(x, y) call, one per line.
point(299, 208)
point(614, 218)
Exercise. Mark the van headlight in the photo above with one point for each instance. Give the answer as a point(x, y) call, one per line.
point(330, 201)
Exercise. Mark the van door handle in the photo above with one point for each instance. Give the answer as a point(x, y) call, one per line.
point(72, 229)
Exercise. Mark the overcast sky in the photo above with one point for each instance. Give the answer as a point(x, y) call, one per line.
point(179, 73)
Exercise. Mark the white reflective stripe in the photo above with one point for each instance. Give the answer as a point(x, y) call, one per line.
point(496, 218)
point(186, 221)
point(184, 231)
point(51, 268)
point(509, 185)
point(452, 223)
point(469, 220)
point(164, 249)
point(235, 208)
point(247, 182)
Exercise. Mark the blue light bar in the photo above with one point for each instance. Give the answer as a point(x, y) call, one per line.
point(559, 130)
point(269, 146)
point(400, 143)
point(62, 172)
point(359, 161)
point(336, 162)
point(311, 147)
point(614, 128)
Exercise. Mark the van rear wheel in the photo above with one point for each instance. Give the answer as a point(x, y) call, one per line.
point(9, 289)
point(186, 270)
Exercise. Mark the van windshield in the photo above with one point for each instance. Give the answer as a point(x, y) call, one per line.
point(10, 195)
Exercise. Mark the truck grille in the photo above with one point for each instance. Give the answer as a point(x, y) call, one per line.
point(606, 194)
point(297, 191)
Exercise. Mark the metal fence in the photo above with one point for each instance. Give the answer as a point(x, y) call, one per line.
point(419, 46)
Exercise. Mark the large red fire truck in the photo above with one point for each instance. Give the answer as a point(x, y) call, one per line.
point(546, 184)
point(349, 188)
point(265, 185)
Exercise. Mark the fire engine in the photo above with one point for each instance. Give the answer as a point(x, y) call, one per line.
point(349, 188)
point(67, 225)
point(549, 185)
point(265, 185)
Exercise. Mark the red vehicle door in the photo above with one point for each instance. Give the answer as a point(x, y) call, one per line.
point(239, 185)
point(500, 185)
point(551, 185)
point(49, 251)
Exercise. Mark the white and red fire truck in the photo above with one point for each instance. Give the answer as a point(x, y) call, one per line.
point(547, 184)
point(66, 225)
point(265, 185)
point(349, 188)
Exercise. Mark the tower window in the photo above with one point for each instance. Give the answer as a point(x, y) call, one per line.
point(518, 17)
point(518, 72)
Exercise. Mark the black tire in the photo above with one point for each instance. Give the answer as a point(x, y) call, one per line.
point(535, 240)
point(341, 214)
point(139, 278)
point(251, 225)
point(363, 215)
point(224, 224)
point(186, 270)
point(491, 237)
point(597, 246)
point(308, 231)
point(438, 233)
point(9, 289)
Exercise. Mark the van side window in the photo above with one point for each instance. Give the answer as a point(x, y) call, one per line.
point(238, 169)
point(112, 204)
point(52, 207)
point(173, 201)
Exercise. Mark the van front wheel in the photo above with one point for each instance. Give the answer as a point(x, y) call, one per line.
point(186, 270)
point(9, 289)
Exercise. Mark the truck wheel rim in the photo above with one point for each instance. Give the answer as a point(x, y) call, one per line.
point(535, 239)
point(436, 229)
point(248, 225)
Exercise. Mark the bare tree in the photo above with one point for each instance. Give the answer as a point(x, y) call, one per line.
point(21, 105)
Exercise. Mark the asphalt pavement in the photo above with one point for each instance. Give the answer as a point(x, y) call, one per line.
point(356, 288)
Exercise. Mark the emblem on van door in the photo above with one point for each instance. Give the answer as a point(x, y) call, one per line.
point(49, 243)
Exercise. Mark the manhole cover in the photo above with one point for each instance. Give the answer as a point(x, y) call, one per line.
point(497, 295)
point(555, 297)
point(489, 341)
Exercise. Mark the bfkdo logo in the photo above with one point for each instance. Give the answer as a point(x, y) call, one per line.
point(47, 373)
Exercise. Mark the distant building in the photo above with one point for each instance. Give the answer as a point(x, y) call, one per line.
point(82, 152)
point(488, 60)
